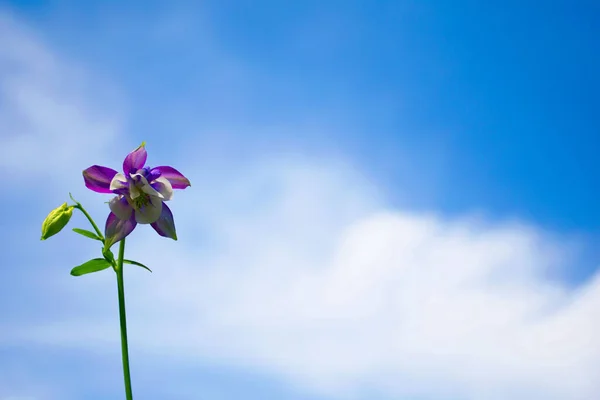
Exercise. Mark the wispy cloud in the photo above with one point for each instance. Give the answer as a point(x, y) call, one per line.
point(53, 116)
point(316, 282)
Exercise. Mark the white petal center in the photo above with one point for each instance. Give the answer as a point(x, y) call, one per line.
point(149, 212)
point(120, 207)
point(118, 182)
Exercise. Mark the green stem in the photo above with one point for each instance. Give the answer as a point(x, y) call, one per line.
point(80, 208)
point(123, 319)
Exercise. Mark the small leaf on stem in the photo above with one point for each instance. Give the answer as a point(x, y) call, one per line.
point(87, 233)
point(136, 263)
point(71, 196)
point(95, 265)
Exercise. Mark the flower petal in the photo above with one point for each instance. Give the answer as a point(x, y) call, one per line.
point(118, 182)
point(165, 225)
point(120, 207)
point(163, 186)
point(139, 184)
point(149, 213)
point(152, 174)
point(98, 178)
point(117, 229)
point(178, 181)
point(135, 160)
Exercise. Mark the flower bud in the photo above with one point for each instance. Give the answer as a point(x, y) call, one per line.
point(56, 220)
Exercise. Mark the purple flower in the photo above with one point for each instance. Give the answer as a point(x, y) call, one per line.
point(140, 195)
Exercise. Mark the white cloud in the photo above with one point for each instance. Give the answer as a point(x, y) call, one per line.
point(52, 115)
point(312, 284)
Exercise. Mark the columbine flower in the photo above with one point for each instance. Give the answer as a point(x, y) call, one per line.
point(140, 195)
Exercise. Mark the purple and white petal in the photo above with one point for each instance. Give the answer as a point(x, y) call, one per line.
point(150, 212)
point(118, 182)
point(135, 160)
point(135, 182)
point(163, 186)
point(120, 207)
point(145, 187)
point(165, 225)
point(117, 229)
point(139, 184)
point(178, 181)
point(152, 174)
point(98, 178)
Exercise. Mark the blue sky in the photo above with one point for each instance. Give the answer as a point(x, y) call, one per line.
point(390, 200)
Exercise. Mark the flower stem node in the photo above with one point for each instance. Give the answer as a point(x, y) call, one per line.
point(56, 220)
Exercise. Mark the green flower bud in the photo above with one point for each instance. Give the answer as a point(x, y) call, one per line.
point(56, 220)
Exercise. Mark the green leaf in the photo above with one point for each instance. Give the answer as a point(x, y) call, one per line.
point(71, 196)
point(136, 263)
point(86, 233)
point(95, 265)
